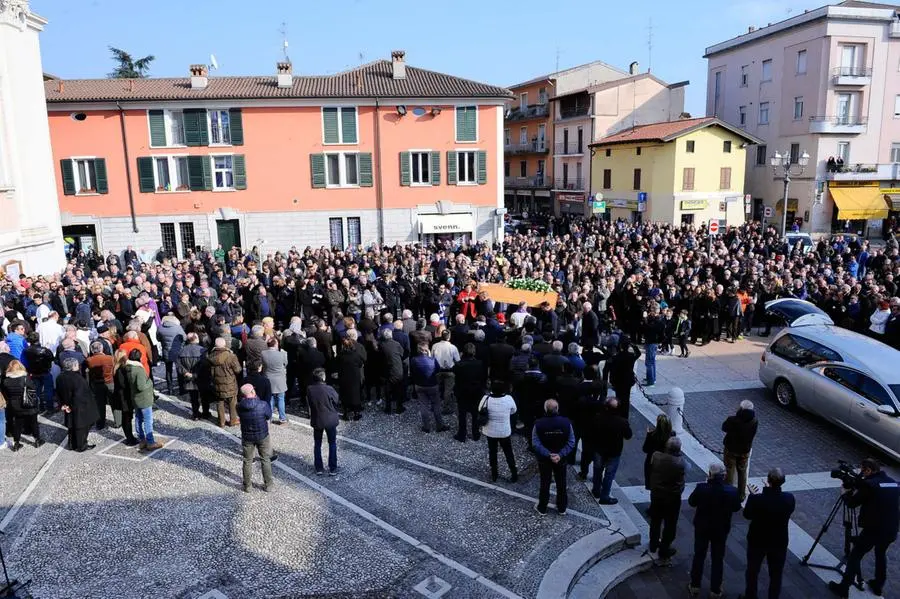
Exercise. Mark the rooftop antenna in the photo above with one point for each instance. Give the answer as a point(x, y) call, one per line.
point(284, 41)
point(557, 60)
point(213, 63)
point(650, 44)
point(361, 57)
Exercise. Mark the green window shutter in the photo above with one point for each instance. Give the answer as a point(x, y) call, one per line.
point(482, 167)
point(196, 132)
point(199, 173)
point(348, 125)
point(240, 170)
point(465, 123)
point(435, 168)
point(451, 168)
point(365, 169)
point(471, 129)
point(157, 128)
point(237, 126)
point(68, 176)
point(330, 125)
point(317, 168)
point(145, 175)
point(101, 182)
point(405, 178)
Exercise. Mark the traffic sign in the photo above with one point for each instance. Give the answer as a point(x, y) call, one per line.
point(768, 212)
point(713, 227)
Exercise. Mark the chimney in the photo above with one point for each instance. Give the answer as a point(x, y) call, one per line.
point(60, 86)
point(199, 78)
point(751, 29)
point(398, 64)
point(633, 68)
point(284, 77)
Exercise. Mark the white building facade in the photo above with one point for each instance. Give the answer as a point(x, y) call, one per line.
point(30, 232)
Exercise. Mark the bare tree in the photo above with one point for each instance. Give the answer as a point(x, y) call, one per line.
point(127, 67)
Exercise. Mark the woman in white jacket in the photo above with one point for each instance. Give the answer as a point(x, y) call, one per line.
point(879, 319)
point(498, 430)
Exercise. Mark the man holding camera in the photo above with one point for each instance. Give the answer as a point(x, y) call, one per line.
point(878, 498)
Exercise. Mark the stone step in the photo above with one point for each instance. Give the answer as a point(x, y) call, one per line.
point(603, 576)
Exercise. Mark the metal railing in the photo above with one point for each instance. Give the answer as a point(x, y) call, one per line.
point(536, 146)
point(532, 111)
point(527, 182)
point(572, 147)
point(840, 119)
point(574, 111)
point(851, 72)
point(572, 183)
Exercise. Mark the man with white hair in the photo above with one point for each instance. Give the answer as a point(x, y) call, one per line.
point(51, 332)
point(255, 415)
point(715, 502)
point(590, 327)
point(740, 430)
point(256, 345)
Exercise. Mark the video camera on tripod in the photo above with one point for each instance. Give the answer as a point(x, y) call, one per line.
point(849, 476)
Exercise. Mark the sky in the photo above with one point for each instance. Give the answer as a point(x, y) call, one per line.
point(492, 41)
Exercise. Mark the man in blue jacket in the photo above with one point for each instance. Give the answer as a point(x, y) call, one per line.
point(715, 501)
point(553, 438)
point(255, 414)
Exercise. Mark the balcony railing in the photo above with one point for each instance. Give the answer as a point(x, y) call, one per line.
point(863, 172)
point(569, 183)
point(536, 147)
point(574, 111)
point(569, 149)
point(532, 111)
point(527, 182)
point(837, 124)
point(851, 75)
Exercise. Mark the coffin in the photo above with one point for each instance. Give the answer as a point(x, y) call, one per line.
point(500, 293)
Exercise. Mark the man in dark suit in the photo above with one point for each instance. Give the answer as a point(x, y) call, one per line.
point(715, 501)
point(769, 513)
point(471, 382)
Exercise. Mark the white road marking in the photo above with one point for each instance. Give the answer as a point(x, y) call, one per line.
point(31, 486)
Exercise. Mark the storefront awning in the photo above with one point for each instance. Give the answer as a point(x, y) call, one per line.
point(447, 223)
point(859, 203)
point(893, 201)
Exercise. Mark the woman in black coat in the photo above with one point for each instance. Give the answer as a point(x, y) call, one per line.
point(22, 404)
point(656, 441)
point(122, 404)
point(350, 364)
point(78, 403)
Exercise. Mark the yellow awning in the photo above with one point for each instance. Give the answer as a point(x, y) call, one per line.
point(859, 203)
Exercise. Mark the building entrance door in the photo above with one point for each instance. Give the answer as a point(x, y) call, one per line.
point(229, 233)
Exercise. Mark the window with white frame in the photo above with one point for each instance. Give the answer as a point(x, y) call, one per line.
point(742, 115)
point(336, 232)
point(745, 75)
point(420, 168)
point(798, 108)
point(895, 152)
point(843, 151)
point(466, 167)
point(523, 100)
point(801, 62)
point(223, 172)
point(542, 96)
point(175, 127)
point(354, 231)
point(171, 173)
point(767, 70)
point(84, 176)
point(342, 169)
point(523, 135)
point(219, 127)
point(763, 113)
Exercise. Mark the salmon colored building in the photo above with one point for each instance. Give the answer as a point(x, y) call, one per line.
point(383, 153)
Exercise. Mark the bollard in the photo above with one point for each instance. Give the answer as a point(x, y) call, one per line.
point(674, 409)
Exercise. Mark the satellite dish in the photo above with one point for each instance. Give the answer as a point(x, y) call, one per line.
point(213, 63)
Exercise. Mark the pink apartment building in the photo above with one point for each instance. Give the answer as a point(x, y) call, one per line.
point(825, 82)
point(384, 153)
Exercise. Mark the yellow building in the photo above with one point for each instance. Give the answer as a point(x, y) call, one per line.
point(686, 171)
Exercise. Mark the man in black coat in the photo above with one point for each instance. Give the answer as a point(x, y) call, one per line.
point(769, 513)
point(619, 371)
point(471, 382)
point(78, 403)
point(740, 430)
point(715, 501)
point(611, 430)
point(590, 327)
point(392, 377)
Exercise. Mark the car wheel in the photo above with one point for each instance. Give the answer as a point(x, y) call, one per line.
point(784, 394)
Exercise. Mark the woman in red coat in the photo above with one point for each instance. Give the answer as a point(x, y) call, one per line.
point(466, 299)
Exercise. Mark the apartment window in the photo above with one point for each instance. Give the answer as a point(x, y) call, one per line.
point(580, 147)
point(506, 169)
point(354, 231)
point(523, 168)
point(507, 139)
point(540, 168)
point(801, 62)
point(341, 169)
point(163, 182)
point(637, 178)
point(843, 151)
point(897, 106)
point(846, 108)
point(687, 179)
point(523, 100)
point(85, 172)
point(742, 115)
point(351, 169)
point(851, 57)
point(166, 128)
point(895, 152)
point(219, 127)
point(339, 124)
point(171, 173)
point(761, 158)
point(798, 108)
point(542, 95)
point(767, 70)
point(637, 151)
point(565, 174)
point(689, 146)
point(187, 238)
point(726, 146)
point(578, 180)
point(167, 232)
point(466, 123)
point(542, 137)
point(223, 172)
point(466, 167)
point(608, 152)
point(523, 135)
point(763, 113)
point(336, 232)
point(745, 75)
point(420, 167)
point(795, 153)
point(607, 178)
point(725, 177)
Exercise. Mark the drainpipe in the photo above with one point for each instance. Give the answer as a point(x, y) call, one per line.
point(379, 193)
point(134, 226)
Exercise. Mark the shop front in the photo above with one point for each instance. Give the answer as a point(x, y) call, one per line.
point(859, 208)
point(892, 222)
point(571, 203)
point(458, 228)
point(626, 209)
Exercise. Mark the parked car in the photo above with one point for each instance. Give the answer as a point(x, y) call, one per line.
point(805, 241)
point(847, 378)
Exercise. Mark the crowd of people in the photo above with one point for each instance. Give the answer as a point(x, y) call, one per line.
point(342, 331)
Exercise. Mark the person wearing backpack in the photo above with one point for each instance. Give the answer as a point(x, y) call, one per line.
point(498, 430)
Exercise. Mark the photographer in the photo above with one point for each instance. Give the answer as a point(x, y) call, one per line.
point(878, 498)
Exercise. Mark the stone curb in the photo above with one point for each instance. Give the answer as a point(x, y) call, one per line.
point(609, 572)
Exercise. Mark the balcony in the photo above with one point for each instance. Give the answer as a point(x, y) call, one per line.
point(864, 172)
point(853, 76)
point(537, 146)
point(535, 182)
point(895, 29)
point(532, 111)
point(569, 149)
point(569, 183)
point(571, 112)
point(847, 125)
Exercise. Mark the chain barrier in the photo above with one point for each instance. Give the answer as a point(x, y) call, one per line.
point(687, 425)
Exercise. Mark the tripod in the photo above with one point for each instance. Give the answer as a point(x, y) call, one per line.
point(10, 589)
point(850, 531)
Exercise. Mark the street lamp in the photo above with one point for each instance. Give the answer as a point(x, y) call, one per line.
point(783, 160)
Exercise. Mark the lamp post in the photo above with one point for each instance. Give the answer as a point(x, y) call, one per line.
point(781, 161)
